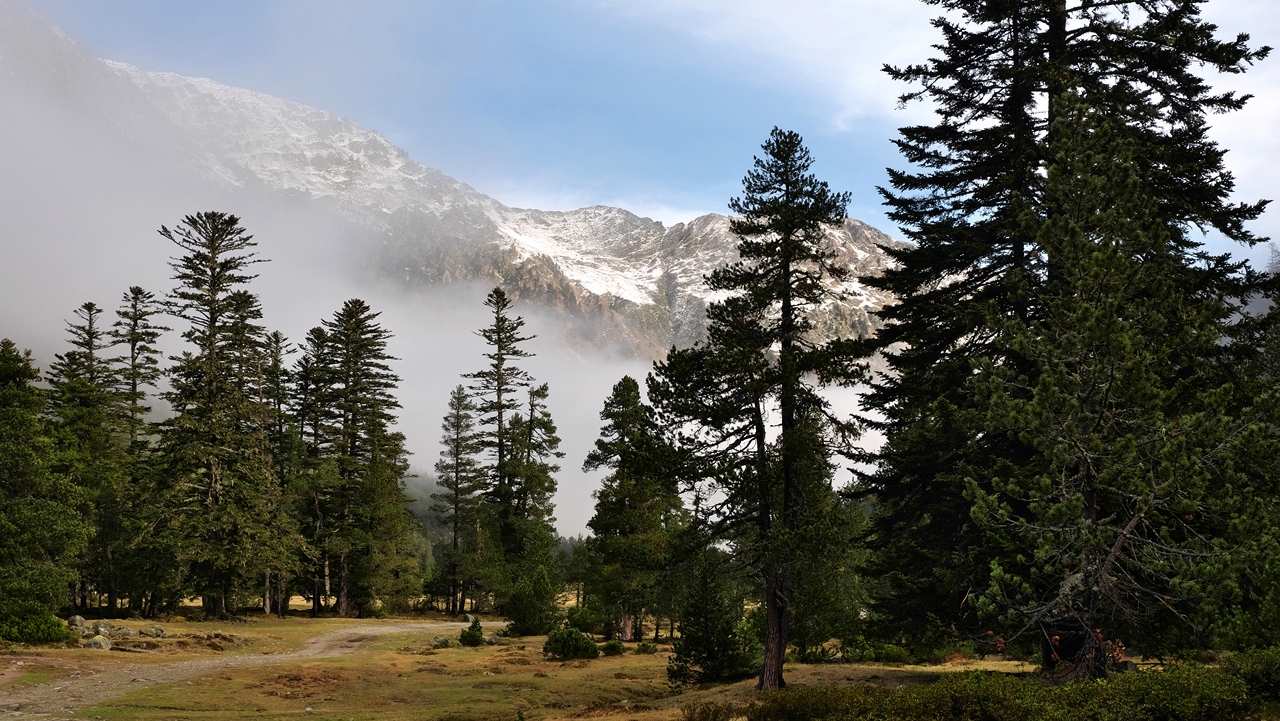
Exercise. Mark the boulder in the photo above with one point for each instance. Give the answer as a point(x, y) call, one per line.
point(155, 630)
point(99, 642)
point(76, 622)
point(123, 632)
point(493, 639)
point(469, 617)
point(101, 628)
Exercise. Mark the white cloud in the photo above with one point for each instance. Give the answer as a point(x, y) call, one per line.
point(834, 50)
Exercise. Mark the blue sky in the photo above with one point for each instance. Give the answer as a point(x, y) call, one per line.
point(654, 105)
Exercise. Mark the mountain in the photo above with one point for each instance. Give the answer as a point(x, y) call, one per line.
point(618, 279)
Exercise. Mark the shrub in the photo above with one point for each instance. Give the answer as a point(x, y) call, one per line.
point(646, 648)
point(532, 604)
point(584, 619)
point(1259, 670)
point(717, 641)
point(40, 627)
point(613, 647)
point(472, 635)
point(710, 711)
point(1181, 694)
point(567, 643)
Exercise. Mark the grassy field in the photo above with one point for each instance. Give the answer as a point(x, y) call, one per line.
point(401, 676)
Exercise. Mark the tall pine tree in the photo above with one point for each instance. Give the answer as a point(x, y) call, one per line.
point(762, 355)
point(459, 474)
point(974, 207)
point(41, 530)
point(638, 506)
point(218, 459)
point(92, 434)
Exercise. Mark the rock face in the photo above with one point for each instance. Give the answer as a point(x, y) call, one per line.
point(616, 278)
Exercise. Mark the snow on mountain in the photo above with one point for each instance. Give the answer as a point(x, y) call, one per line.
point(618, 278)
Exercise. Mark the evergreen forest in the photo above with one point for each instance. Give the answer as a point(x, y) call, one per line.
point(1078, 401)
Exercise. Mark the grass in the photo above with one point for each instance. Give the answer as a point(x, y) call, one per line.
point(401, 677)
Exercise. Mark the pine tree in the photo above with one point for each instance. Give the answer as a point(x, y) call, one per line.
point(92, 435)
point(534, 445)
point(41, 531)
point(350, 487)
point(310, 397)
point(712, 645)
point(637, 506)
point(497, 389)
point(973, 209)
point(1118, 526)
point(761, 345)
point(218, 458)
point(144, 558)
point(136, 332)
point(460, 475)
point(361, 395)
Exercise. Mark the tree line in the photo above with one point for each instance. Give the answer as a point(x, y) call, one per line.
point(1077, 398)
point(265, 478)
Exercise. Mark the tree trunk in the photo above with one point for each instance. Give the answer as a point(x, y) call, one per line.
point(626, 624)
point(776, 596)
point(344, 598)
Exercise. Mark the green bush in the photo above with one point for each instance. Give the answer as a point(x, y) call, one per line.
point(1177, 694)
point(566, 643)
point(646, 648)
point(33, 628)
point(531, 606)
point(613, 647)
point(584, 619)
point(860, 649)
point(710, 711)
point(472, 635)
point(1259, 670)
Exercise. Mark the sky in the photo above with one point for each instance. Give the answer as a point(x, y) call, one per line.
point(653, 105)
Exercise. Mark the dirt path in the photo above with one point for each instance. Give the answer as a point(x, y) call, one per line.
point(94, 682)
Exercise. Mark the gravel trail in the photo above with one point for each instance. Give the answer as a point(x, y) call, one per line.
point(93, 682)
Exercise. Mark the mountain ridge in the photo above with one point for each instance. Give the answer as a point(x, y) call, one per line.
point(617, 278)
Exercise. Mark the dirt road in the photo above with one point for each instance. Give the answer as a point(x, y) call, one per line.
point(96, 681)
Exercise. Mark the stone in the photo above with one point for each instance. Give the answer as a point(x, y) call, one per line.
point(155, 630)
point(76, 622)
point(123, 632)
point(493, 639)
point(101, 628)
point(469, 617)
point(98, 642)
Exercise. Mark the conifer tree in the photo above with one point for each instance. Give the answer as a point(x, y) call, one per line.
point(974, 207)
point(226, 496)
point(343, 407)
point(143, 555)
point(92, 436)
point(497, 389)
point(534, 446)
point(761, 355)
point(637, 507)
point(41, 530)
point(361, 413)
point(459, 474)
point(1123, 517)
point(137, 333)
point(310, 398)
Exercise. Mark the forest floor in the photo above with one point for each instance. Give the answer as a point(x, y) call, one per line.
point(371, 669)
